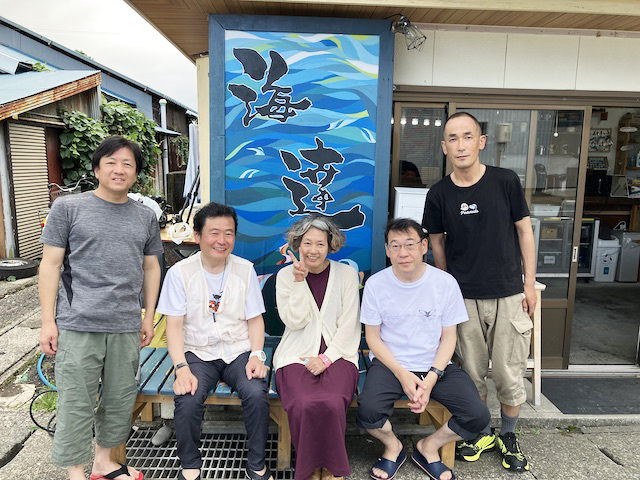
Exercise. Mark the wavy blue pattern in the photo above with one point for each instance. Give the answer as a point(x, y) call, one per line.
point(339, 75)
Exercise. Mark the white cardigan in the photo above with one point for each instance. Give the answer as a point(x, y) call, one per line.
point(337, 321)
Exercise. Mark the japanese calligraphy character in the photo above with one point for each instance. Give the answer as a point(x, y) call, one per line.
point(280, 106)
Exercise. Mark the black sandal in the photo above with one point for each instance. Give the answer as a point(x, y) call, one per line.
point(254, 476)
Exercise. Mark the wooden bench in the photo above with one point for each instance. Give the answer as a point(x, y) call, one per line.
point(156, 386)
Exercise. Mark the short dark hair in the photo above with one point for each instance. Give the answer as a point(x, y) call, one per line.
point(113, 144)
point(213, 210)
point(463, 114)
point(403, 225)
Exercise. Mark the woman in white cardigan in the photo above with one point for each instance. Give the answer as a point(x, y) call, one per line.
point(316, 361)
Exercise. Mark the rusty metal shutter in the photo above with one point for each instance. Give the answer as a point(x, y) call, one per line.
point(30, 184)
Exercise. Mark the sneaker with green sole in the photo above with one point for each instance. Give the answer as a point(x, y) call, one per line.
point(512, 456)
point(470, 450)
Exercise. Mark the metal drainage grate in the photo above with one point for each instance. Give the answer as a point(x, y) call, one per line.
point(224, 456)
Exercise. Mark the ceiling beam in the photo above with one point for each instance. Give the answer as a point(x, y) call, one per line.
point(585, 7)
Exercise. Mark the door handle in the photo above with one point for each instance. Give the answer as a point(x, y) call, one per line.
point(574, 256)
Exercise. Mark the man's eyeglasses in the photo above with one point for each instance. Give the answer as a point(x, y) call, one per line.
point(396, 247)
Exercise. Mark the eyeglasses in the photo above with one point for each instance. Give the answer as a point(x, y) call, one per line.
point(396, 247)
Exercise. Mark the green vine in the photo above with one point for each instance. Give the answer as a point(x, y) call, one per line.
point(182, 149)
point(40, 67)
point(82, 135)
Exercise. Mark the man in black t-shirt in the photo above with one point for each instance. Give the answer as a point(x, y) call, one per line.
point(480, 231)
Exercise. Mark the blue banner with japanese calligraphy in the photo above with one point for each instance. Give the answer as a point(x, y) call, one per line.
point(300, 137)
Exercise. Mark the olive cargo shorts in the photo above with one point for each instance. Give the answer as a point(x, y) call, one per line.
point(498, 330)
point(82, 359)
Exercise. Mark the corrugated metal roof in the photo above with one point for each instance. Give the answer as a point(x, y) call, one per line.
point(20, 57)
point(88, 61)
point(24, 85)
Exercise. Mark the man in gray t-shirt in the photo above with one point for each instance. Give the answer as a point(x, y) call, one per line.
point(100, 253)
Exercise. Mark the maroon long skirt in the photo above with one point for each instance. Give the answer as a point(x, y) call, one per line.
point(317, 411)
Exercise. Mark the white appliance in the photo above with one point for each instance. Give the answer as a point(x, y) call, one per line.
point(629, 256)
point(410, 203)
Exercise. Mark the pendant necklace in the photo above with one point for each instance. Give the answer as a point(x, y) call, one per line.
point(214, 304)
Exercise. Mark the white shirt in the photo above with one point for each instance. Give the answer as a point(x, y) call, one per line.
point(411, 315)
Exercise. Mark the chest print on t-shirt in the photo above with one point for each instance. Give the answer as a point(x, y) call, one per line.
point(466, 209)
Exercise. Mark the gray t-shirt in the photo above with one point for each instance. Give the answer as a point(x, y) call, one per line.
point(105, 245)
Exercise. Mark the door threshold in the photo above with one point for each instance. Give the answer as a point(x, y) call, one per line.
point(610, 371)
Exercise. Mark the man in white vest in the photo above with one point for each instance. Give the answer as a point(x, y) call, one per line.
point(215, 332)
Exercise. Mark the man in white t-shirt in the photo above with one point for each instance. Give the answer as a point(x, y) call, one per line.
point(215, 331)
point(410, 311)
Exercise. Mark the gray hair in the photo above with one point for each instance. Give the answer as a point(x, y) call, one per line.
point(298, 229)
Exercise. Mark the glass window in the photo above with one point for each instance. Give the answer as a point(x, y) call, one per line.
point(421, 161)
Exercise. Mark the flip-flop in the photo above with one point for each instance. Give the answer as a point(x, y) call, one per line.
point(123, 470)
point(388, 466)
point(433, 469)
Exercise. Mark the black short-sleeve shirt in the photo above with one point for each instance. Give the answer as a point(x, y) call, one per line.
point(481, 241)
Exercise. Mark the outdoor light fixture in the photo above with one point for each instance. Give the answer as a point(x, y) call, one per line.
point(414, 37)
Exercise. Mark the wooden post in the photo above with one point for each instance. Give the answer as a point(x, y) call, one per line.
point(440, 416)
point(146, 415)
point(284, 436)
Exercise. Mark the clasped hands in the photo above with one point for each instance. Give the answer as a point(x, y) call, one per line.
point(417, 390)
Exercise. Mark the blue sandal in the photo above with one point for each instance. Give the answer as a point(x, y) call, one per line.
point(433, 469)
point(388, 466)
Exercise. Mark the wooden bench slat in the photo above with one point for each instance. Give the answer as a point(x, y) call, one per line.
point(152, 387)
point(145, 353)
point(150, 366)
point(167, 386)
point(222, 390)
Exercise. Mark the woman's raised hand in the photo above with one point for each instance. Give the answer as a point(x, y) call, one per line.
point(300, 271)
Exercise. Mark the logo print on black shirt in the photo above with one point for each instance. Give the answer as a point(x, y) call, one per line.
point(466, 209)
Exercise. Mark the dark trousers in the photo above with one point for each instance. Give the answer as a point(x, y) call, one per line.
point(189, 408)
point(455, 390)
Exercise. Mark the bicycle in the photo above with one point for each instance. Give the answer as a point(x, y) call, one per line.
point(56, 190)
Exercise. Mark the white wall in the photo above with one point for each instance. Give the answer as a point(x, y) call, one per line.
point(520, 60)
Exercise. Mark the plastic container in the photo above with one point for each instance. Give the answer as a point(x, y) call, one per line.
point(545, 210)
point(607, 252)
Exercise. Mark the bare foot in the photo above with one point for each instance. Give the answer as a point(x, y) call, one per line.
point(111, 466)
point(316, 474)
point(327, 475)
point(389, 454)
point(432, 455)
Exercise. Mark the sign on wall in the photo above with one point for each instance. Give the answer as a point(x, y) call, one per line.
point(300, 137)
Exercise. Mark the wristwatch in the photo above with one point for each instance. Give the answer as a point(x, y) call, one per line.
point(437, 371)
point(180, 365)
point(260, 354)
